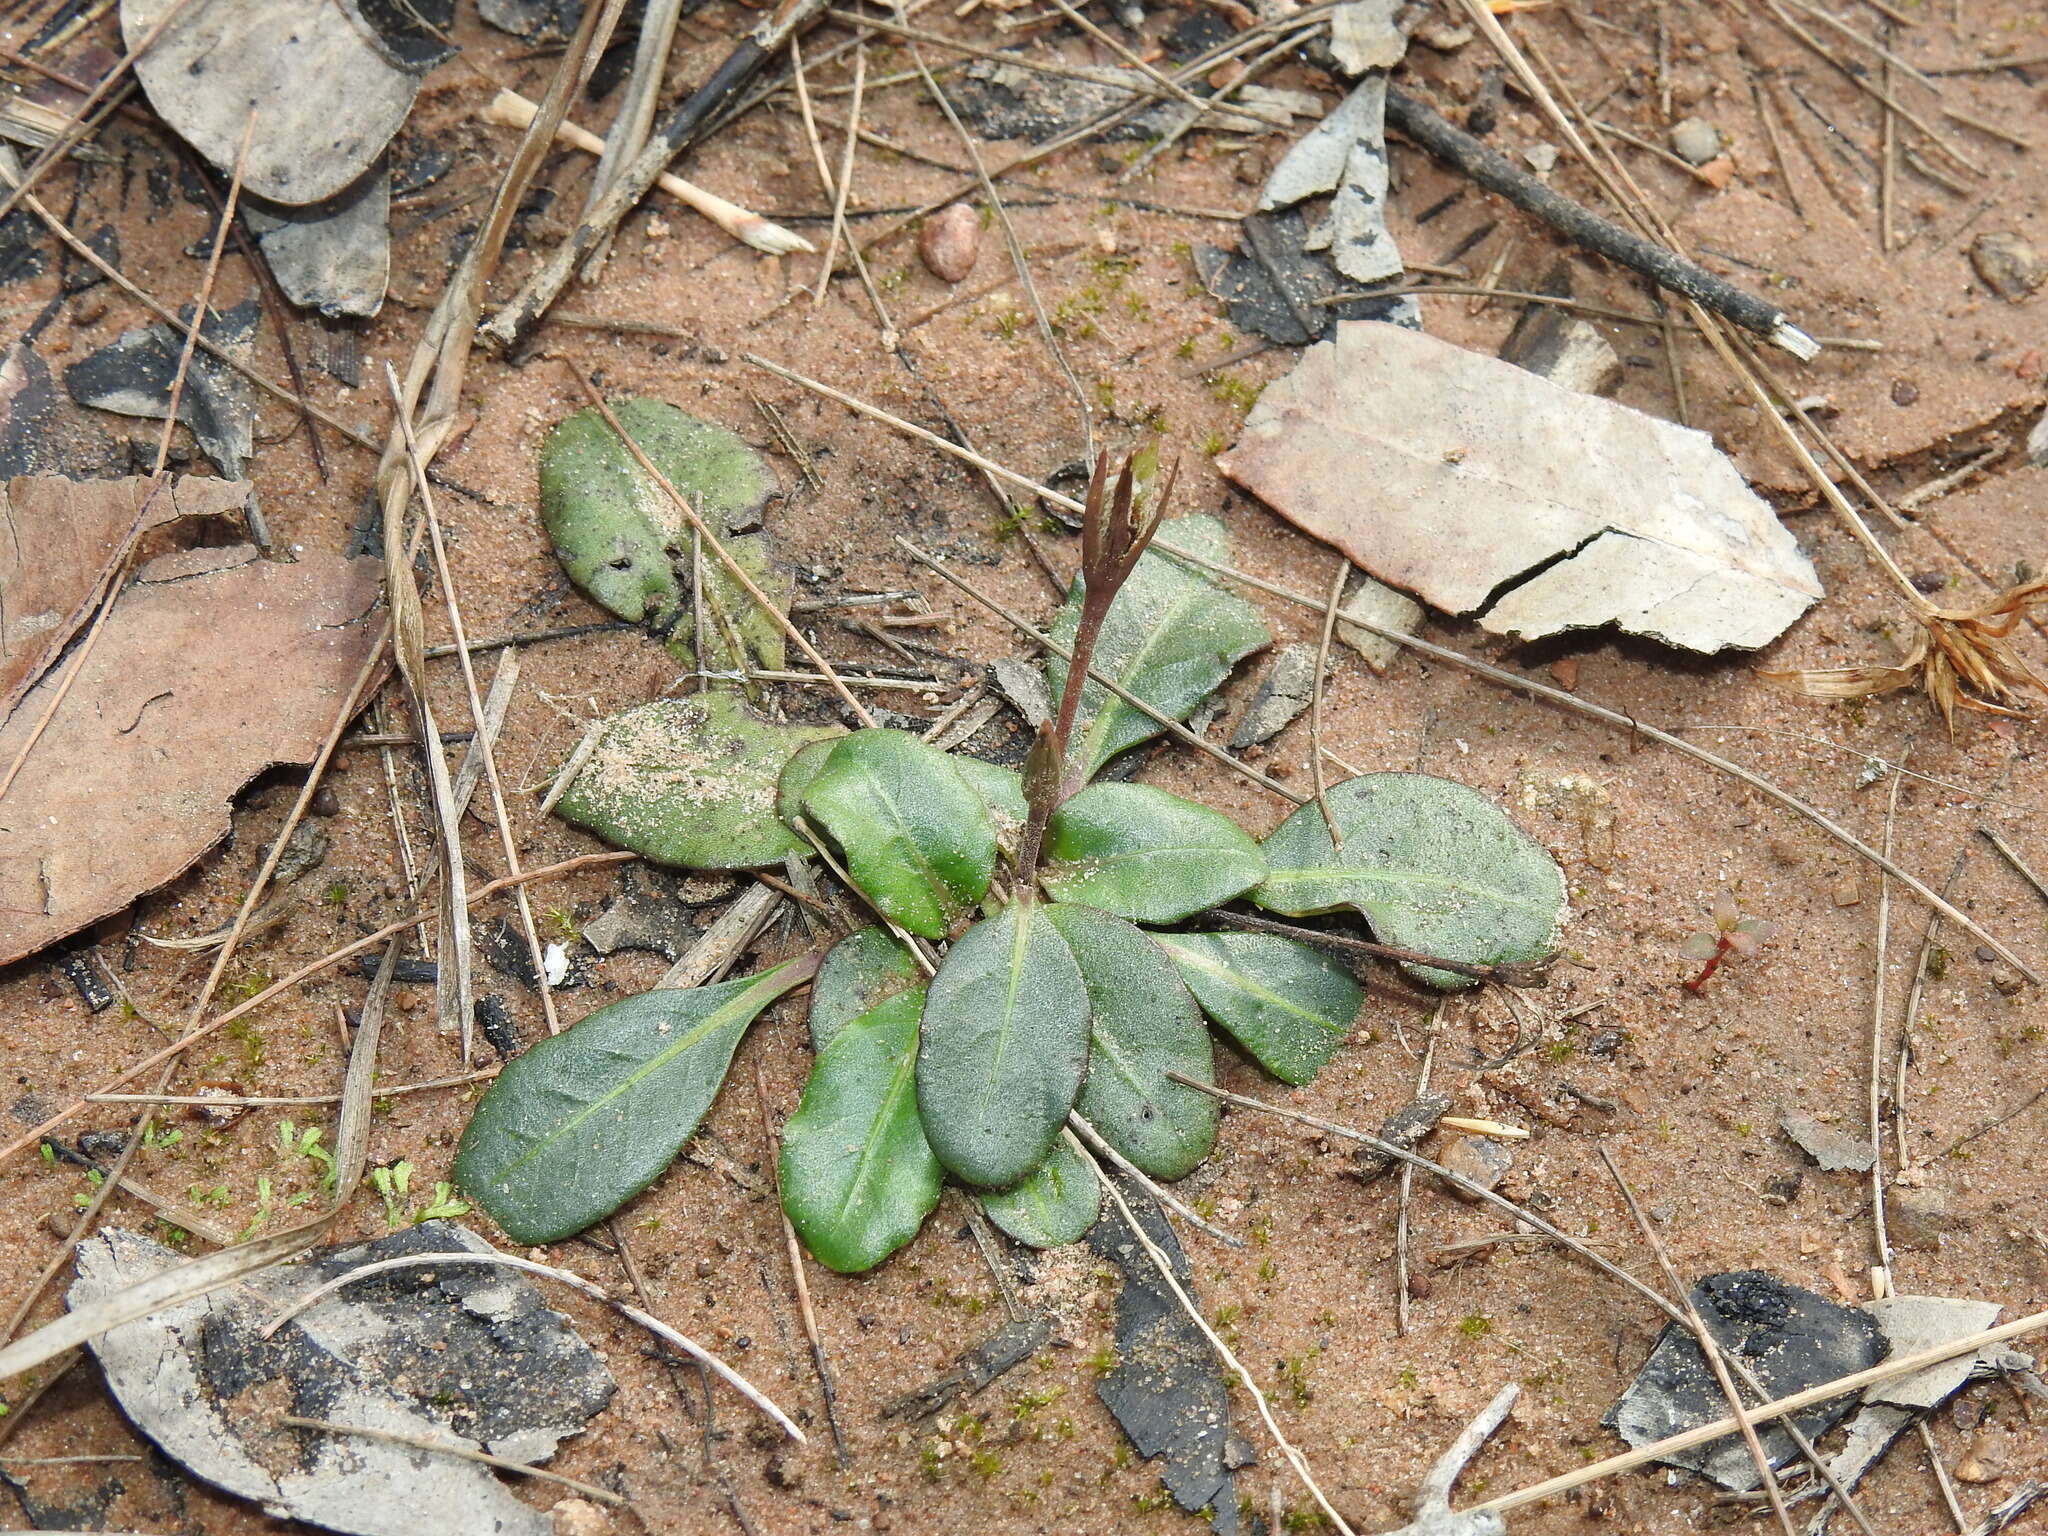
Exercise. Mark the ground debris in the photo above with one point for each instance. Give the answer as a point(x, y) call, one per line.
point(1835, 1151)
point(472, 1353)
point(41, 433)
point(1346, 155)
point(1404, 1128)
point(196, 684)
point(1002, 1351)
point(335, 255)
point(1167, 1391)
point(1283, 693)
point(1008, 101)
point(1489, 474)
point(133, 375)
point(2009, 266)
point(644, 915)
point(1790, 1337)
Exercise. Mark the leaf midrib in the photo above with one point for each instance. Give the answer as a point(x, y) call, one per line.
point(770, 982)
point(1244, 983)
point(1303, 873)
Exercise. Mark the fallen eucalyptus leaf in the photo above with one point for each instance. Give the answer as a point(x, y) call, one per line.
point(1055, 1206)
point(1146, 855)
point(585, 1120)
point(327, 95)
point(1289, 1005)
point(859, 973)
point(1172, 636)
point(691, 782)
point(1587, 512)
point(624, 542)
point(1142, 1023)
point(858, 1177)
point(473, 1357)
point(915, 836)
point(1431, 864)
point(1004, 1047)
point(197, 685)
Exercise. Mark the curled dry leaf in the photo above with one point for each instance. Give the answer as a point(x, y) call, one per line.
point(197, 684)
point(1487, 490)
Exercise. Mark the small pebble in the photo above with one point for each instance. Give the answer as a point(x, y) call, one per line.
point(1904, 392)
point(1482, 1160)
point(950, 241)
point(1916, 1218)
point(2009, 266)
point(1695, 140)
point(1718, 172)
point(1848, 892)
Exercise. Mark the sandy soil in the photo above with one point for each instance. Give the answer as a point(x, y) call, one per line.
point(1697, 1083)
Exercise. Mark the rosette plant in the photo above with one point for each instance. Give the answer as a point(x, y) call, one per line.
point(1036, 958)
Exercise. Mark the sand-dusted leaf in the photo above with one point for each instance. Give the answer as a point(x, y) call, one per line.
point(585, 1120)
point(1001, 790)
point(623, 540)
point(1146, 855)
point(858, 1178)
point(1142, 1022)
point(1055, 1206)
point(796, 777)
point(1287, 1004)
point(916, 838)
point(1003, 1049)
point(691, 782)
point(1431, 864)
point(860, 972)
point(1171, 637)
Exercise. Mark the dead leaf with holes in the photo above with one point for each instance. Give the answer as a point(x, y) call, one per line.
point(1488, 491)
point(213, 666)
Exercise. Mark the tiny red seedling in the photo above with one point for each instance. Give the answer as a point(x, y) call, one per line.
point(1732, 934)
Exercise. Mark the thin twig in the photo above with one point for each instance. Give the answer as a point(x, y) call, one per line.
point(2011, 856)
point(460, 1452)
point(1138, 1176)
point(840, 187)
point(1881, 1272)
point(1407, 1188)
point(1315, 707)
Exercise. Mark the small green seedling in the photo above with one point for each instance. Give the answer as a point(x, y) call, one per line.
point(1733, 934)
point(393, 1184)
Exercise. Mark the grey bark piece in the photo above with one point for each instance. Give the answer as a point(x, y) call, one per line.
point(1346, 154)
point(1283, 693)
point(468, 1353)
point(1835, 1151)
point(327, 97)
point(1166, 1390)
point(1916, 1323)
point(1377, 603)
point(333, 256)
point(1024, 686)
point(1487, 473)
point(133, 374)
point(2037, 443)
point(1403, 1128)
point(1792, 1338)
point(645, 915)
point(1363, 36)
point(1561, 347)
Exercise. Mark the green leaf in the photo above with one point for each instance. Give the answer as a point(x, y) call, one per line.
point(1055, 1206)
point(1142, 1022)
point(581, 1123)
point(796, 778)
point(858, 1178)
point(1004, 1047)
point(1288, 1004)
point(623, 541)
point(1147, 855)
point(691, 782)
point(860, 972)
point(1433, 865)
point(916, 838)
point(1171, 637)
point(1001, 790)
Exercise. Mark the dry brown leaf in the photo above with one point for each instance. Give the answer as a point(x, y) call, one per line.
point(1483, 488)
point(197, 684)
point(56, 538)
